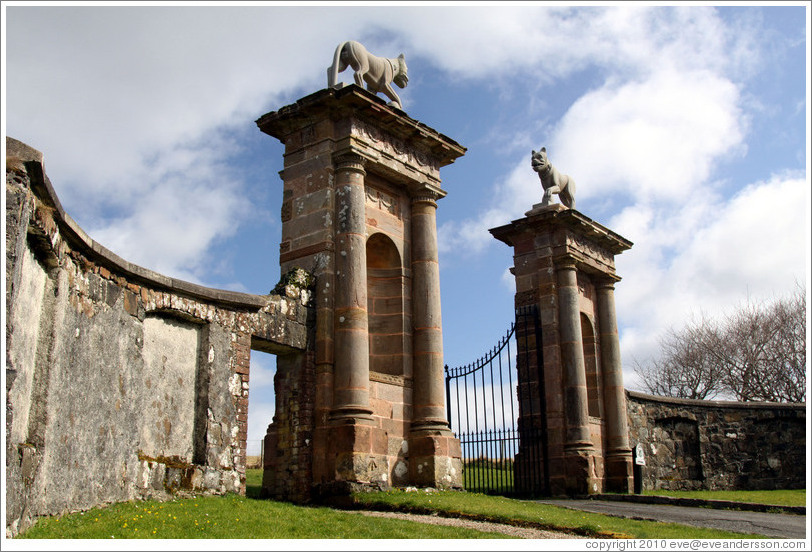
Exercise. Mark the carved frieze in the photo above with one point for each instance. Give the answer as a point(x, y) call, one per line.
point(381, 200)
point(395, 147)
point(590, 249)
point(380, 377)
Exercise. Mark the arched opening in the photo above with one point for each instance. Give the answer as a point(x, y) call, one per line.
point(385, 309)
point(591, 365)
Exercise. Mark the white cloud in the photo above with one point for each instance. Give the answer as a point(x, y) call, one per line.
point(709, 258)
point(136, 84)
point(654, 140)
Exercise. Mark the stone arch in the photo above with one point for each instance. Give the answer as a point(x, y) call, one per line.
point(385, 307)
point(590, 346)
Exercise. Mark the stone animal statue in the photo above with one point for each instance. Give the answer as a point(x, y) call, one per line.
point(378, 72)
point(553, 181)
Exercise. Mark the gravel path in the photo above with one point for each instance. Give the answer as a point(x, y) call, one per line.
point(520, 532)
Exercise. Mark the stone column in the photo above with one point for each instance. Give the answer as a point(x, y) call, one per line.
point(429, 376)
point(351, 380)
point(578, 445)
point(434, 452)
point(618, 456)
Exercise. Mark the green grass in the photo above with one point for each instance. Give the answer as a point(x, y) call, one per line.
point(484, 479)
point(795, 497)
point(233, 517)
point(500, 509)
point(236, 517)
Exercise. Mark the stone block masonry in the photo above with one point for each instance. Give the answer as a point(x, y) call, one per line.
point(564, 266)
point(361, 183)
point(692, 444)
point(122, 383)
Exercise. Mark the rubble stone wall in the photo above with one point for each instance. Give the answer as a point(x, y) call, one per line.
point(691, 444)
point(122, 383)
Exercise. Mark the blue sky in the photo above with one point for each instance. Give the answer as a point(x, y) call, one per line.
point(685, 127)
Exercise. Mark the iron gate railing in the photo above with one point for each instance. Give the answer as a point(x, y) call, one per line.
point(498, 418)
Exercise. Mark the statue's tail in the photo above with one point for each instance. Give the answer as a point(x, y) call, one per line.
point(332, 71)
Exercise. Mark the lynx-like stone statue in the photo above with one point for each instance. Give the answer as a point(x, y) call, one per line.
point(379, 73)
point(553, 181)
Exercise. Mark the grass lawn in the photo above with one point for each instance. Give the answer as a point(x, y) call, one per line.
point(233, 517)
point(481, 479)
point(795, 497)
point(237, 517)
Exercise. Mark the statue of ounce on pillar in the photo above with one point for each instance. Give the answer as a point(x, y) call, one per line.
point(379, 73)
point(553, 181)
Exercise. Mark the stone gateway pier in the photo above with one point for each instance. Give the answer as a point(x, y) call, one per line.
point(564, 265)
point(361, 183)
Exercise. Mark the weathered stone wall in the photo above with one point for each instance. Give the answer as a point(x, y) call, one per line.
point(123, 383)
point(691, 444)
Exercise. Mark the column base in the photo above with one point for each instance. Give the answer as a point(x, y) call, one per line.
point(435, 459)
point(580, 478)
point(358, 453)
point(619, 473)
point(351, 415)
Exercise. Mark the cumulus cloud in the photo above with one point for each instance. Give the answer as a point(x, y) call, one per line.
point(708, 257)
point(652, 140)
point(140, 111)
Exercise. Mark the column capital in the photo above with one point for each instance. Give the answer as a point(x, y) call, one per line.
point(565, 262)
point(349, 161)
point(606, 283)
point(425, 195)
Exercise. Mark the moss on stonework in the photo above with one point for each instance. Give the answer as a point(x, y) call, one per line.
point(168, 461)
point(297, 277)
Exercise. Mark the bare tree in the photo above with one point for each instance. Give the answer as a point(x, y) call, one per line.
point(684, 369)
point(757, 353)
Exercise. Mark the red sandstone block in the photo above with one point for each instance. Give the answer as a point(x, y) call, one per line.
point(130, 303)
point(423, 446)
point(454, 449)
point(381, 408)
point(380, 442)
point(396, 427)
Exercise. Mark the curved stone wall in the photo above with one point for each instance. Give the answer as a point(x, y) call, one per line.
point(692, 444)
point(123, 383)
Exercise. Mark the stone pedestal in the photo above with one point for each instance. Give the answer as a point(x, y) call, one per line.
point(564, 264)
point(360, 189)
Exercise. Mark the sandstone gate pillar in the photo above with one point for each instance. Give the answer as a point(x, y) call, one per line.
point(430, 439)
point(618, 451)
point(578, 446)
point(564, 265)
point(361, 183)
point(351, 383)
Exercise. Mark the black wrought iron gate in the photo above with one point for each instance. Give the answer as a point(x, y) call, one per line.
point(498, 416)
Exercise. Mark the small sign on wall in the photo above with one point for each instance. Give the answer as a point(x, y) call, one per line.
point(639, 455)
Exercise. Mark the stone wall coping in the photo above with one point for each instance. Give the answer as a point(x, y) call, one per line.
point(353, 100)
point(755, 405)
point(83, 243)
